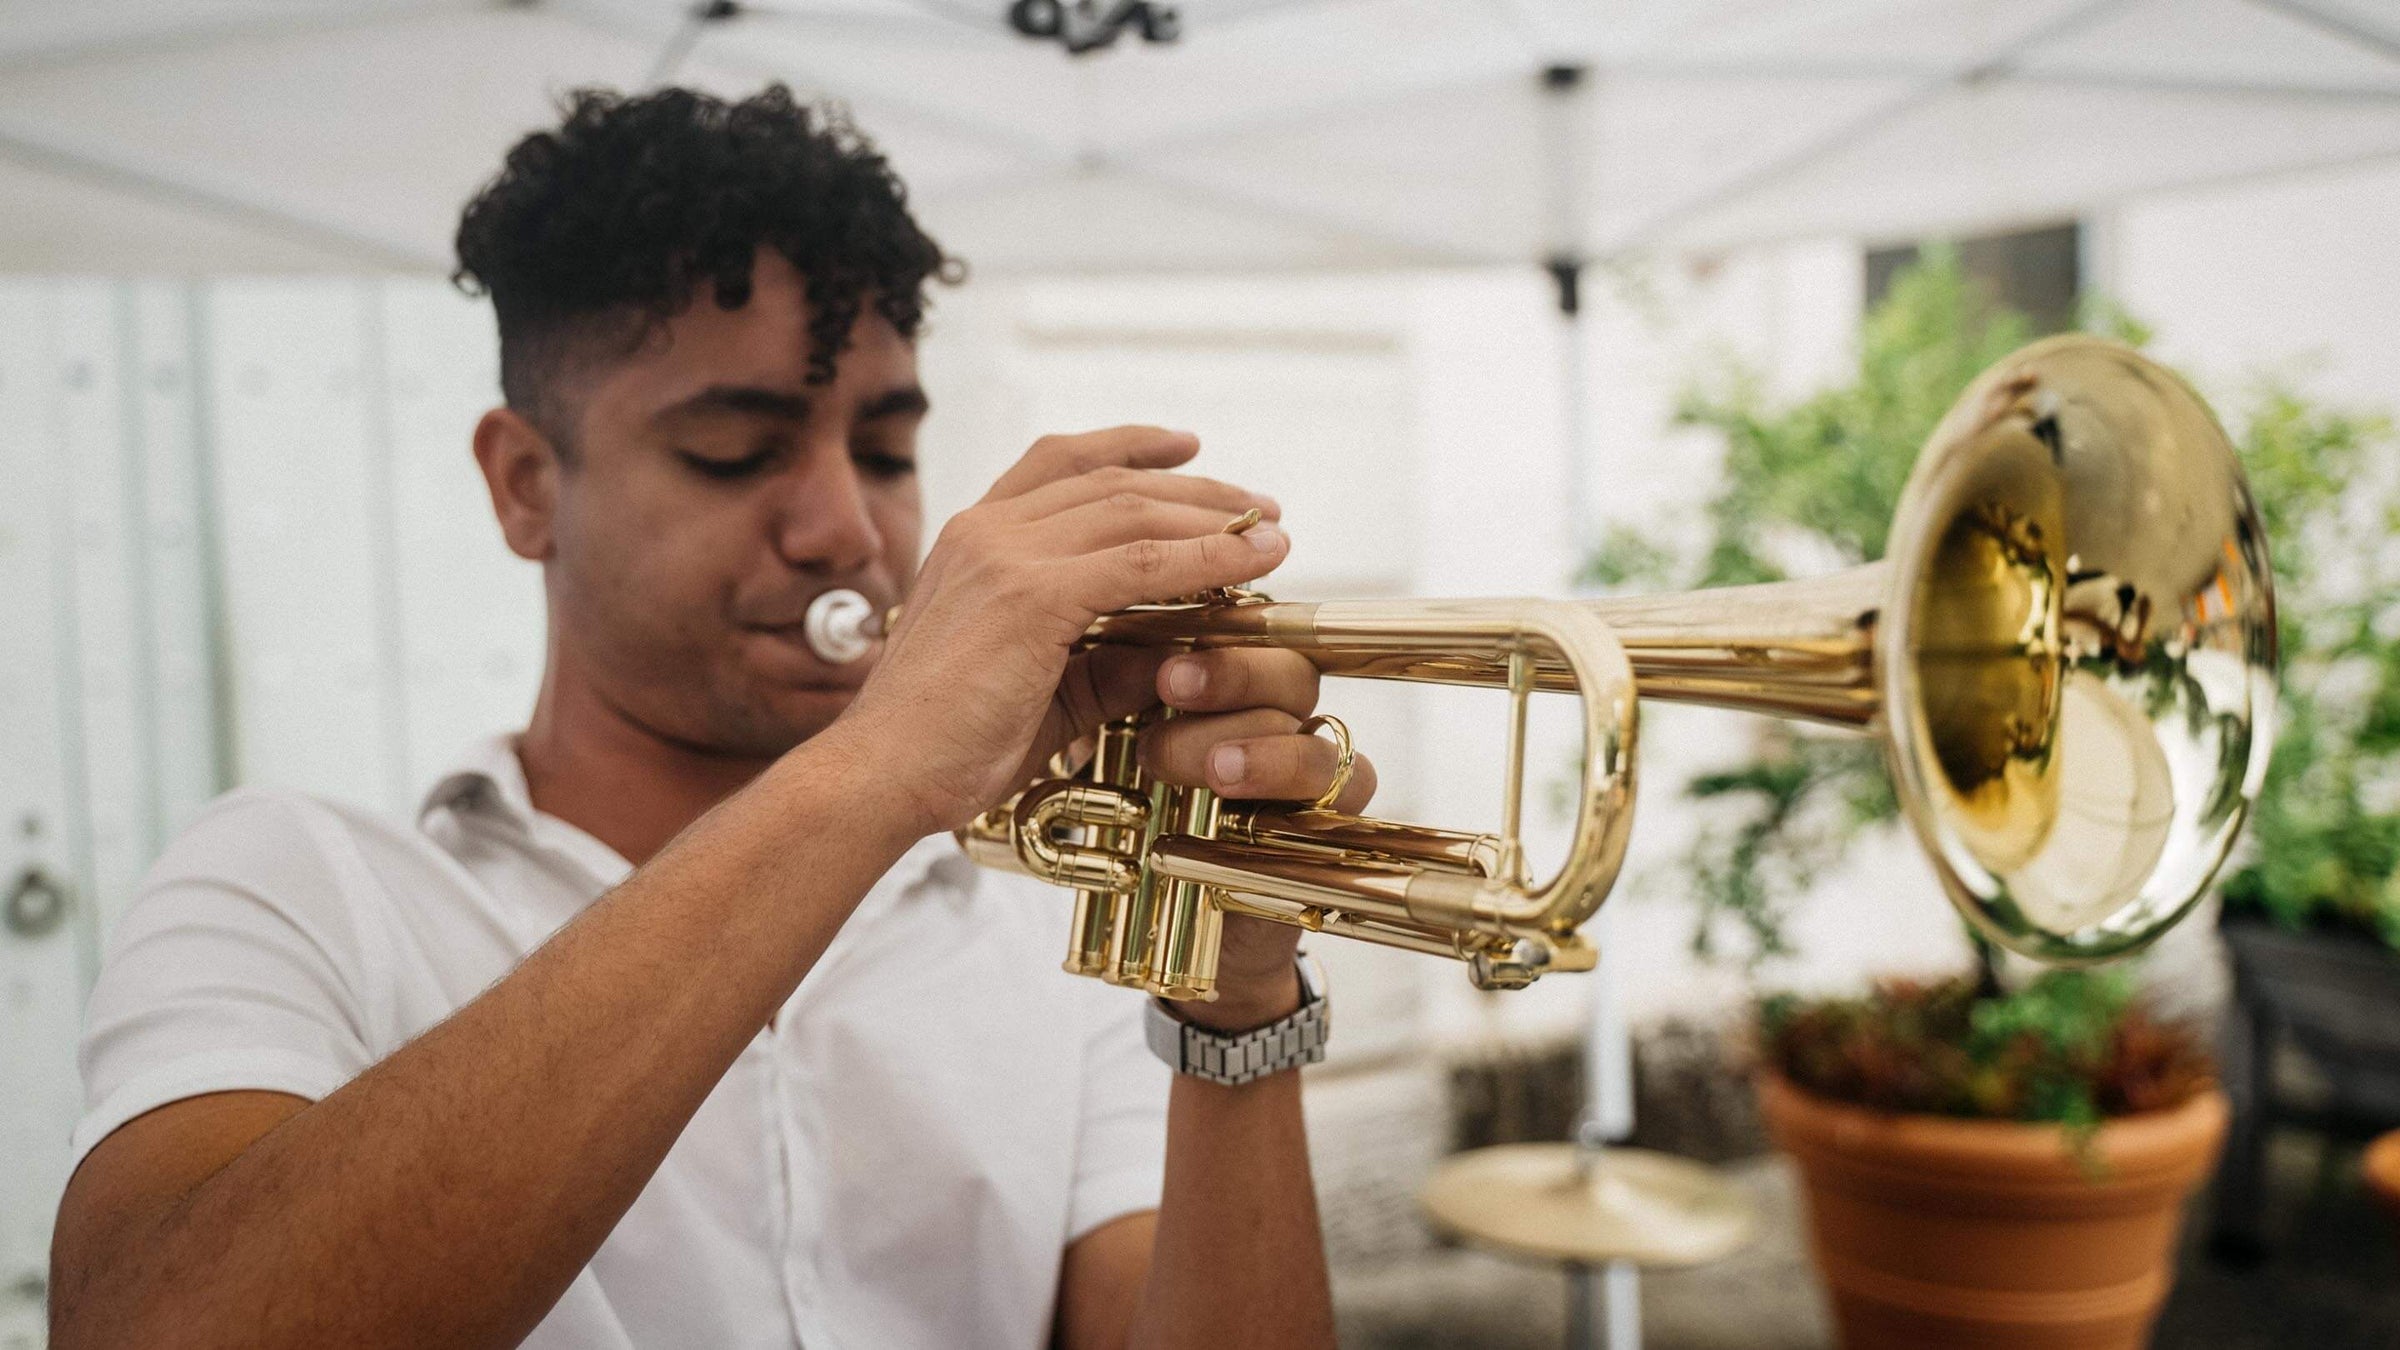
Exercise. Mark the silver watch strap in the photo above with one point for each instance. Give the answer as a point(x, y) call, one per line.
point(1233, 1060)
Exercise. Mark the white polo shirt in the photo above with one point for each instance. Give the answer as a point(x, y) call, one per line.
point(900, 1160)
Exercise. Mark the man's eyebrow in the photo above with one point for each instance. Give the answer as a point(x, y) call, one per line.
point(746, 399)
point(907, 400)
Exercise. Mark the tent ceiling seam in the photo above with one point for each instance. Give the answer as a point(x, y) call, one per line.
point(1708, 68)
point(172, 39)
point(1033, 150)
point(2354, 31)
point(1283, 120)
point(141, 181)
point(961, 17)
point(1430, 251)
point(2007, 222)
point(1991, 65)
point(1217, 195)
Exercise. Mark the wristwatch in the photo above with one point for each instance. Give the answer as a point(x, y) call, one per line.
point(1286, 1043)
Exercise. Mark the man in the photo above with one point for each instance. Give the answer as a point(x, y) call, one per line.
point(678, 1020)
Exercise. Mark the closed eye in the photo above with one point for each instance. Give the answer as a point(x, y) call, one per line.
point(882, 465)
point(726, 470)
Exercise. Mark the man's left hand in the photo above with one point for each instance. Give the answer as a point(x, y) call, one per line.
point(1239, 736)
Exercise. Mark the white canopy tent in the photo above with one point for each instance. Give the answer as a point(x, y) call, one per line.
point(249, 135)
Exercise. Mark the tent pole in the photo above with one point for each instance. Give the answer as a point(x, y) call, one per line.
point(1604, 1302)
point(1564, 87)
point(1566, 272)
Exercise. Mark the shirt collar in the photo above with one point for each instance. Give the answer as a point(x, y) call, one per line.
point(488, 781)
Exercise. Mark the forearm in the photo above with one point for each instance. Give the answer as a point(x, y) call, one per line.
point(1238, 1259)
point(449, 1194)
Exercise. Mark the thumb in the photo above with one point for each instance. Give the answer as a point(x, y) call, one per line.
point(1101, 685)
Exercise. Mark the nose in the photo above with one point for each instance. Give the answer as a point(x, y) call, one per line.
point(822, 521)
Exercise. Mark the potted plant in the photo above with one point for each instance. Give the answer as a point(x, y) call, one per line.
point(1984, 1164)
point(1991, 1169)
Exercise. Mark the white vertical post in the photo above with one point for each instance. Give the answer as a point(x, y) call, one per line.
point(186, 718)
point(44, 948)
point(96, 445)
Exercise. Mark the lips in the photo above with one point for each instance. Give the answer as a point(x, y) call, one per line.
point(790, 643)
point(790, 618)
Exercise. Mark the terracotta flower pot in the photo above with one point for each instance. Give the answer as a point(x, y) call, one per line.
point(2381, 1166)
point(1936, 1232)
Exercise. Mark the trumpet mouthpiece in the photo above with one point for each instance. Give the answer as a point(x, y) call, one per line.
point(841, 626)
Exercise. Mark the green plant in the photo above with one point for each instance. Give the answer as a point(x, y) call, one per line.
point(2325, 838)
point(2071, 1047)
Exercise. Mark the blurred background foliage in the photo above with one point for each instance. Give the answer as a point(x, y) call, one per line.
point(1811, 485)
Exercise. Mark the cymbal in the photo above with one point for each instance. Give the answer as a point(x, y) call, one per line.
point(1613, 1204)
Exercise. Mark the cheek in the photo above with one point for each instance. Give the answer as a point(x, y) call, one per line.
point(643, 554)
point(901, 524)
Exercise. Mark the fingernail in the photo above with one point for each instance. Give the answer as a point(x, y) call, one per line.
point(1185, 679)
point(1264, 537)
point(1226, 764)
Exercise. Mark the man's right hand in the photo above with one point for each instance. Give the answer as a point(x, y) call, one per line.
point(980, 681)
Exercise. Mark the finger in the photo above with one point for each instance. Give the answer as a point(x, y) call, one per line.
point(1285, 768)
point(1116, 483)
point(1151, 571)
point(1230, 678)
point(1120, 519)
point(1055, 457)
point(1179, 748)
point(1099, 686)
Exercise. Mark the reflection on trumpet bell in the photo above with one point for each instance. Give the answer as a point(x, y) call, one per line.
point(2068, 654)
point(1989, 663)
point(2146, 675)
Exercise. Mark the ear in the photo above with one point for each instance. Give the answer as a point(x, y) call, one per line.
point(520, 469)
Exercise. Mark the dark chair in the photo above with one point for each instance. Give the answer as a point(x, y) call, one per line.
point(2334, 998)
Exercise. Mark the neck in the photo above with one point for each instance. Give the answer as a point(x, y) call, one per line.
point(593, 766)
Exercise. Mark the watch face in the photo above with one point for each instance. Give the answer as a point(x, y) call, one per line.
point(1312, 979)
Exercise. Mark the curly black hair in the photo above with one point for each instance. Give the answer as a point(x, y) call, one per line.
point(608, 225)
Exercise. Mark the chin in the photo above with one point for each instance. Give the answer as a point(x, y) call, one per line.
point(774, 723)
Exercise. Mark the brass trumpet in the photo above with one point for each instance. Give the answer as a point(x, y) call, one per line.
point(2068, 654)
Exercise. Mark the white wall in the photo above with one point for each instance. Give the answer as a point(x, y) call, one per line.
point(376, 622)
point(2298, 276)
point(107, 727)
point(342, 625)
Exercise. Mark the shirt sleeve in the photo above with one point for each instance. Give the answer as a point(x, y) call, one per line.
point(1121, 1147)
point(235, 968)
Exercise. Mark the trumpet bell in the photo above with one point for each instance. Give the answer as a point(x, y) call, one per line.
point(2078, 650)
